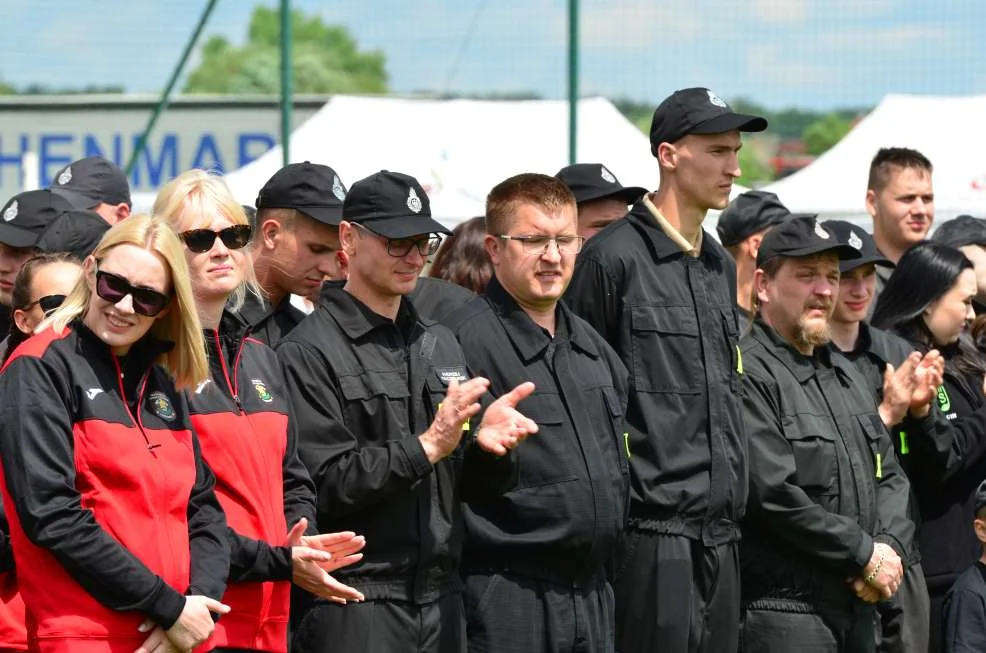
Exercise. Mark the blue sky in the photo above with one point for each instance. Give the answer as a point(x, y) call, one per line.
point(804, 53)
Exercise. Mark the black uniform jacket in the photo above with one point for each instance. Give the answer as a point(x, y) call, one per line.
point(268, 323)
point(564, 506)
point(926, 448)
point(671, 319)
point(824, 481)
point(363, 388)
point(434, 299)
point(242, 419)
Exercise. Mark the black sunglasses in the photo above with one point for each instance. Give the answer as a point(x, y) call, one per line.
point(112, 288)
point(202, 240)
point(48, 303)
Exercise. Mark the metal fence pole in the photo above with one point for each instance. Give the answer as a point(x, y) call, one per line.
point(287, 87)
point(573, 80)
point(166, 94)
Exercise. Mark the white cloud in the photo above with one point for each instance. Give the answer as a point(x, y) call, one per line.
point(768, 63)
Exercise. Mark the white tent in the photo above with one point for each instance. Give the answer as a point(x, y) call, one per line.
point(950, 131)
point(457, 149)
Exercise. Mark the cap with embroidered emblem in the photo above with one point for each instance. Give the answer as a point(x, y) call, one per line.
point(857, 238)
point(697, 111)
point(310, 188)
point(392, 205)
point(594, 181)
point(802, 236)
point(92, 181)
point(26, 215)
point(749, 213)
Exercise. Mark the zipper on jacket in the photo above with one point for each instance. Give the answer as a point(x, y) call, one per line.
point(231, 384)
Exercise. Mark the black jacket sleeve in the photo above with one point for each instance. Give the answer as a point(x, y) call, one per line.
point(349, 474)
point(299, 491)
point(964, 621)
point(37, 453)
point(933, 449)
point(970, 439)
point(777, 504)
point(207, 541)
point(893, 493)
point(6, 552)
point(596, 297)
point(251, 560)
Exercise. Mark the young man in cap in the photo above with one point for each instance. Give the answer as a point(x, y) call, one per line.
point(969, 235)
point(600, 197)
point(964, 617)
point(382, 403)
point(664, 297)
point(741, 227)
point(295, 245)
point(904, 384)
point(827, 515)
point(901, 201)
point(25, 217)
point(95, 184)
point(542, 544)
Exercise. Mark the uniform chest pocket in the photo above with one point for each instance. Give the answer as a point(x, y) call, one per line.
point(733, 355)
point(667, 354)
point(548, 456)
point(875, 434)
point(813, 444)
point(614, 410)
point(374, 403)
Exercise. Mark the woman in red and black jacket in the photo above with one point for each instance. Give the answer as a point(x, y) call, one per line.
point(242, 419)
point(118, 537)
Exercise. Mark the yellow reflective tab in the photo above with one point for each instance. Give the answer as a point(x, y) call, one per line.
point(879, 466)
point(626, 443)
point(904, 449)
point(739, 360)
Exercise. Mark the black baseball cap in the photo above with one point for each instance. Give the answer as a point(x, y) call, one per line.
point(749, 213)
point(981, 497)
point(26, 215)
point(77, 232)
point(802, 236)
point(857, 238)
point(697, 111)
point(392, 205)
point(92, 181)
point(594, 181)
point(311, 188)
point(961, 231)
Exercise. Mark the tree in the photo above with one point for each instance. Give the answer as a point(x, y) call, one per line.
point(325, 59)
point(822, 134)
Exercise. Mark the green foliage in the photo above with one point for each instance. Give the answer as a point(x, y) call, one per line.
point(755, 171)
point(325, 60)
point(822, 134)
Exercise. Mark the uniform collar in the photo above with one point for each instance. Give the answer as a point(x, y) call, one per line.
point(662, 245)
point(801, 366)
point(255, 311)
point(530, 338)
point(356, 319)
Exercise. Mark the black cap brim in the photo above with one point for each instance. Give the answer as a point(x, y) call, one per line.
point(844, 252)
point(77, 200)
point(14, 237)
point(627, 195)
point(403, 226)
point(330, 215)
point(728, 122)
point(851, 264)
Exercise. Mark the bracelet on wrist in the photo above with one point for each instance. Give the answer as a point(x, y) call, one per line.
point(876, 572)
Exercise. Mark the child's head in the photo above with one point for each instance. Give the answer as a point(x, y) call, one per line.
point(980, 521)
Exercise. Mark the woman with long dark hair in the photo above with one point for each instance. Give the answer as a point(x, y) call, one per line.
point(928, 301)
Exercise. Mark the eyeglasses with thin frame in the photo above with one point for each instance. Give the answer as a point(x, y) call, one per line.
point(201, 240)
point(113, 288)
point(401, 247)
point(539, 243)
point(48, 303)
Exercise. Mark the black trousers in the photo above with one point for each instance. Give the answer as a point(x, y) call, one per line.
point(383, 627)
point(516, 614)
point(675, 595)
point(778, 631)
point(905, 619)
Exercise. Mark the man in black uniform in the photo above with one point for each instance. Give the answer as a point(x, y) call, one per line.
point(295, 245)
point(600, 196)
point(381, 402)
point(741, 227)
point(663, 294)
point(827, 517)
point(535, 555)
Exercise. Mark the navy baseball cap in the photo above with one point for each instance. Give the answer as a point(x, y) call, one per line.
point(392, 205)
point(697, 111)
point(802, 236)
point(310, 188)
point(92, 181)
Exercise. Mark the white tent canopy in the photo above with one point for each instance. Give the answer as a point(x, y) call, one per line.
point(948, 130)
point(457, 149)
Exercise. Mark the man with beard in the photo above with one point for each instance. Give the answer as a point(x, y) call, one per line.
point(901, 201)
point(662, 292)
point(827, 516)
